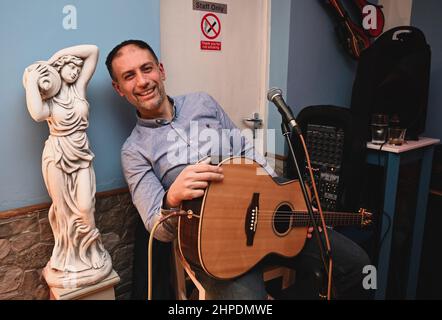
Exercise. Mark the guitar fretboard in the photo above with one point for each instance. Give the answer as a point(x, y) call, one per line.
point(302, 219)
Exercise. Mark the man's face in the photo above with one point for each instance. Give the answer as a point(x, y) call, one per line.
point(139, 78)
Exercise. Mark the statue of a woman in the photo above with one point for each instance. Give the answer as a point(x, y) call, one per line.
point(56, 92)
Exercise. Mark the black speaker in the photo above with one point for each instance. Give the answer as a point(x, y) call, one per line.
point(393, 77)
point(337, 152)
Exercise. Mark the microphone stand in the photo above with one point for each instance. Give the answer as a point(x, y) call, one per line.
point(325, 253)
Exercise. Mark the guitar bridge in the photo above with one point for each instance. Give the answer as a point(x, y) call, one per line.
point(252, 219)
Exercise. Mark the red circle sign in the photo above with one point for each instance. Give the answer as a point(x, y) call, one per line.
point(210, 26)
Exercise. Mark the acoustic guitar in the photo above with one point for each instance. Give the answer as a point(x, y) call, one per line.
point(246, 217)
point(350, 34)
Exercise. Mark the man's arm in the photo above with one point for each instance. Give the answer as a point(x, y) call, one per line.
point(147, 194)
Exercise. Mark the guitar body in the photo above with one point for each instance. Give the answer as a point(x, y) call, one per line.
point(219, 237)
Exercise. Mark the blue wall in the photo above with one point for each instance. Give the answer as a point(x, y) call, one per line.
point(319, 72)
point(279, 59)
point(426, 15)
point(33, 30)
point(306, 59)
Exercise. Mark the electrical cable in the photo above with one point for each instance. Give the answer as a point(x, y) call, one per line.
point(324, 227)
point(174, 214)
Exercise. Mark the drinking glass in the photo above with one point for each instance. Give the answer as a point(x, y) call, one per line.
point(379, 128)
point(396, 136)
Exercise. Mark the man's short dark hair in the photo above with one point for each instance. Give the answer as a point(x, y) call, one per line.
point(139, 43)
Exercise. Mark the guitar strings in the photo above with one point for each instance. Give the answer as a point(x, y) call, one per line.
point(287, 218)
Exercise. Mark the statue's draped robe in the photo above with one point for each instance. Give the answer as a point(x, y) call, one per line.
point(67, 148)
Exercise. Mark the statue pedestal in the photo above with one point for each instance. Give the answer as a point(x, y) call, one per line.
point(104, 290)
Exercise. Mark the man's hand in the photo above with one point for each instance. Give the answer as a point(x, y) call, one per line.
point(192, 182)
point(310, 232)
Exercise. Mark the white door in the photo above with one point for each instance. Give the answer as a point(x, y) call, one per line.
point(396, 12)
point(237, 75)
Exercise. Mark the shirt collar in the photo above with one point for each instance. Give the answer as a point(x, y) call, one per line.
point(156, 123)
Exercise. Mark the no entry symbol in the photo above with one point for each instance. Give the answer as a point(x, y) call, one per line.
point(210, 26)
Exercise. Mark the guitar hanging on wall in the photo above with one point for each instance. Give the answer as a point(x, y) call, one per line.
point(246, 217)
point(353, 36)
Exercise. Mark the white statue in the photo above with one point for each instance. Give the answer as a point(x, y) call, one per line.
point(56, 92)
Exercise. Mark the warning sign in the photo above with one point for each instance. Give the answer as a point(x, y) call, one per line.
point(210, 26)
point(211, 45)
point(211, 30)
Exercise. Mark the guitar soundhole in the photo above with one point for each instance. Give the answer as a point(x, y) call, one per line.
point(282, 219)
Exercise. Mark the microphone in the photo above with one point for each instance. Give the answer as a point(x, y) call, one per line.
point(275, 95)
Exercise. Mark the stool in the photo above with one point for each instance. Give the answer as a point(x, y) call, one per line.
point(287, 275)
point(183, 270)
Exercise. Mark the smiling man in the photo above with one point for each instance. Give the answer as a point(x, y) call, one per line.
point(159, 182)
point(138, 76)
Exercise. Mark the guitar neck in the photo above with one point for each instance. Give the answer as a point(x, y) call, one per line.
point(334, 219)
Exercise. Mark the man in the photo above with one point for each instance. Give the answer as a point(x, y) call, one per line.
point(160, 163)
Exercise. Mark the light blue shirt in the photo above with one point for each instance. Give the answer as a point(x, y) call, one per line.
point(158, 150)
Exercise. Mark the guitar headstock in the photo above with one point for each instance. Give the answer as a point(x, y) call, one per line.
point(366, 217)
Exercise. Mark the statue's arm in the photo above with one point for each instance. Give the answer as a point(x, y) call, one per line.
point(89, 54)
point(38, 109)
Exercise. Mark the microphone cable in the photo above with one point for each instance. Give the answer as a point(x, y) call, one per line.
point(324, 227)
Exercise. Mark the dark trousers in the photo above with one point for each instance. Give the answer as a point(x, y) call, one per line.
point(349, 261)
point(162, 288)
